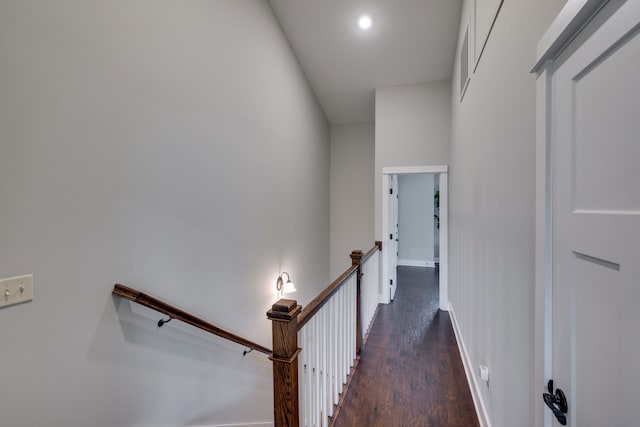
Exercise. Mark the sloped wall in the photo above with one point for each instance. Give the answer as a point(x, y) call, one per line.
point(172, 146)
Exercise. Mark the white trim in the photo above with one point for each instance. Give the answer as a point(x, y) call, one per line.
point(263, 424)
point(543, 293)
point(568, 24)
point(478, 402)
point(403, 170)
point(416, 263)
point(444, 242)
point(385, 294)
point(571, 19)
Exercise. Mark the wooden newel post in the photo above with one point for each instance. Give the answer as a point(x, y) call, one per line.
point(284, 320)
point(356, 259)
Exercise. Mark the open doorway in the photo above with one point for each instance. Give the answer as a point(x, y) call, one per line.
point(418, 220)
point(435, 204)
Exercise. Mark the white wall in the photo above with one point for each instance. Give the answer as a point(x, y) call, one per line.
point(172, 146)
point(415, 220)
point(492, 196)
point(352, 172)
point(413, 128)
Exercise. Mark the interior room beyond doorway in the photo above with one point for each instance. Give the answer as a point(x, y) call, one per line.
point(418, 220)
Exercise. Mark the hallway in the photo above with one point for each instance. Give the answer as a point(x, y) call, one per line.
point(410, 372)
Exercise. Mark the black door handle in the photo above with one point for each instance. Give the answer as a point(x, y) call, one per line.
point(557, 402)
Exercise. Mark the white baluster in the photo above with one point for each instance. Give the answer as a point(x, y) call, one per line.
point(323, 366)
point(301, 379)
point(349, 324)
point(329, 395)
point(347, 328)
point(364, 295)
point(354, 320)
point(352, 329)
point(339, 341)
point(327, 375)
point(343, 309)
point(318, 369)
point(354, 287)
point(312, 367)
point(373, 287)
point(370, 281)
point(305, 393)
point(365, 322)
point(334, 339)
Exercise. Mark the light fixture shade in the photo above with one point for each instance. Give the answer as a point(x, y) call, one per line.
point(288, 287)
point(284, 287)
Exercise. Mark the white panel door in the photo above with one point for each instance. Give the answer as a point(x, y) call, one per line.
point(596, 263)
point(393, 235)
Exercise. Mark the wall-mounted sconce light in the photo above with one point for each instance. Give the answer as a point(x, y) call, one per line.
point(284, 287)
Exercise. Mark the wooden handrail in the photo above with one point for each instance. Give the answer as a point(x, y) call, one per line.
point(316, 304)
point(377, 247)
point(324, 296)
point(175, 313)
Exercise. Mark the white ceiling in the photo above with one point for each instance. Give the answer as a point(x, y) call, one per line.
point(410, 41)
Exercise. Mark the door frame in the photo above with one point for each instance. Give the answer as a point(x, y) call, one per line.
point(443, 171)
point(573, 17)
point(393, 246)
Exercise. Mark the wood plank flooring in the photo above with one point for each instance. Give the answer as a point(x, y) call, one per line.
point(410, 372)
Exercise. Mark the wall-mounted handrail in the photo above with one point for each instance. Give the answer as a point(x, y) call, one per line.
point(316, 304)
point(176, 313)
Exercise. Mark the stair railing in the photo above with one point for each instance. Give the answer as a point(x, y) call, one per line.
point(316, 349)
point(370, 287)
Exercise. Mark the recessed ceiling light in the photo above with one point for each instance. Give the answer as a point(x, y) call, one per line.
point(364, 22)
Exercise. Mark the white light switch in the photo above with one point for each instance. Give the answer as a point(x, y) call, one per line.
point(484, 372)
point(16, 290)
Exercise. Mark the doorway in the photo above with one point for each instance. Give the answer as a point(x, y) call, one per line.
point(390, 232)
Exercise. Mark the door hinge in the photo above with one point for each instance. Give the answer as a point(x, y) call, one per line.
point(391, 191)
point(390, 236)
point(391, 282)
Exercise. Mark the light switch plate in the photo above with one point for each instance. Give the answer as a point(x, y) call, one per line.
point(484, 372)
point(16, 290)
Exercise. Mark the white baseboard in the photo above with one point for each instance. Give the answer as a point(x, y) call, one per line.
point(269, 424)
point(481, 409)
point(416, 263)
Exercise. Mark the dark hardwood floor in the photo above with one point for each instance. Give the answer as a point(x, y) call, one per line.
point(410, 372)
